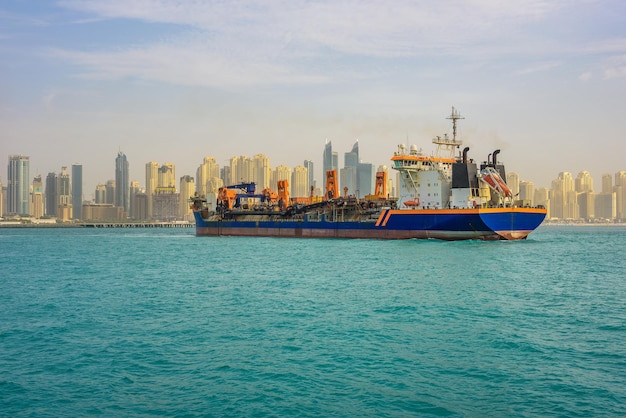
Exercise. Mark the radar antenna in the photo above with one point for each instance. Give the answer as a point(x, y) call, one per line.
point(454, 116)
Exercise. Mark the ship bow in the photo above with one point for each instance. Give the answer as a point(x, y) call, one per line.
point(513, 223)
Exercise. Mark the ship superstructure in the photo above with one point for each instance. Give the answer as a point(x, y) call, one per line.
point(446, 180)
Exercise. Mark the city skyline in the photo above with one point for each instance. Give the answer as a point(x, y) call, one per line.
point(174, 81)
point(565, 198)
point(89, 191)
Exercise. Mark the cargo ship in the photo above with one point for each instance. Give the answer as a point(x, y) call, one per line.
point(444, 195)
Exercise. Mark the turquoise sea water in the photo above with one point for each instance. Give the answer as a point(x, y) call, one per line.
point(119, 322)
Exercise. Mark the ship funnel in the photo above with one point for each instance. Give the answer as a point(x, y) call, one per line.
point(489, 159)
point(465, 154)
point(495, 154)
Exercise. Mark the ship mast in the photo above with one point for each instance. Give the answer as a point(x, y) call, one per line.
point(454, 116)
point(445, 144)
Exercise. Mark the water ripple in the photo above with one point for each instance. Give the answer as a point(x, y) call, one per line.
point(154, 323)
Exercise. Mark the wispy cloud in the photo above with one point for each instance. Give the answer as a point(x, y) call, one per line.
point(616, 67)
point(613, 45)
point(539, 67)
point(188, 65)
point(22, 19)
point(296, 41)
point(400, 28)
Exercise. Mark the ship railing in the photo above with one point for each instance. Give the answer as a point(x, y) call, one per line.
point(446, 141)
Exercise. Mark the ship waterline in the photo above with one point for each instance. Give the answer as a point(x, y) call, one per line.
point(445, 224)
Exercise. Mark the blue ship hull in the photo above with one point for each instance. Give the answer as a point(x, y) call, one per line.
point(446, 224)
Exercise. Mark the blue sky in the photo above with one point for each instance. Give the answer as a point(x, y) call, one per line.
point(544, 81)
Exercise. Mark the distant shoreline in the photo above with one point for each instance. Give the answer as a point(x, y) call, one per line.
point(99, 225)
point(581, 224)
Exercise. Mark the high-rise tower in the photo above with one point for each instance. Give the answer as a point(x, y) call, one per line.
point(77, 191)
point(282, 172)
point(101, 194)
point(134, 191)
point(311, 174)
point(563, 197)
point(300, 182)
point(110, 192)
point(240, 171)
point(366, 179)
point(226, 175)
point(36, 207)
point(261, 171)
point(583, 182)
point(512, 180)
point(187, 187)
point(18, 188)
point(620, 195)
point(64, 196)
point(1, 198)
point(206, 175)
point(329, 160)
point(152, 181)
point(122, 182)
point(167, 176)
point(607, 183)
point(51, 195)
point(527, 191)
point(349, 173)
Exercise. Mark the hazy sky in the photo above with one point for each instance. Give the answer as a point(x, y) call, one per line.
point(544, 81)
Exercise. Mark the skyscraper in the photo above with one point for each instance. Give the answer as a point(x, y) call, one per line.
point(122, 182)
point(101, 194)
point(311, 174)
point(542, 198)
point(586, 205)
point(152, 181)
point(51, 195)
point(300, 182)
point(18, 188)
point(605, 206)
point(64, 195)
point(583, 185)
point(282, 172)
point(226, 175)
point(140, 207)
point(584, 182)
point(349, 173)
point(110, 192)
point(240, 169)
point(512, 180)
point(36, 206)
point(527, 191)
point(607, 183)
point(134, 191)
point(329, 160)
point(1, 198)
point(620, 195)
point(366, 179)
point(166, 204)
point(167, 175)
point(206, 174)
point(261, 171)
point(187, 187)
point(563, 197)
point(77, 191)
